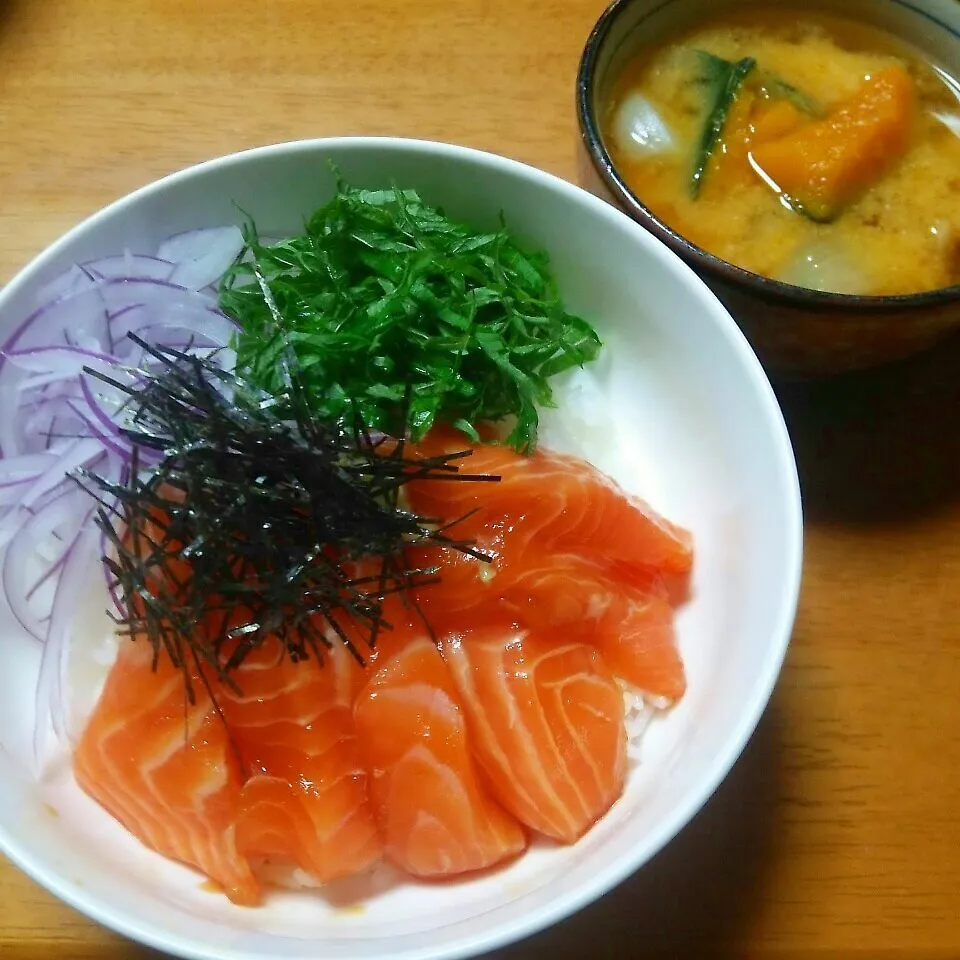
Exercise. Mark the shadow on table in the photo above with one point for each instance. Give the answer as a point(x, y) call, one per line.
point(692, 899)
point(7, 10)
point(879, 445)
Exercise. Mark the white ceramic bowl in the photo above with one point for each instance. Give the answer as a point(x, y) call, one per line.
point(694, 428)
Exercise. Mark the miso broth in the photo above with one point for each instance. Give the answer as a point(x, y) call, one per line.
point(835, 161)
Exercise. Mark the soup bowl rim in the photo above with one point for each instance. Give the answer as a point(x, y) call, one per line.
point(756, 284)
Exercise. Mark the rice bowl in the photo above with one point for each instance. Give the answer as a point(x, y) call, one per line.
point(690, 421)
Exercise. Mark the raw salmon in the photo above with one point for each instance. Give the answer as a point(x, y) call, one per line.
point(275, 775)
point(547, 721)
point(305, 800)
point(631, 627)
point(564, 503)
point(488, 708)
point(436, 817)
point(567, 548)
point(637, 640)
point(165, 769)
point(401, 618)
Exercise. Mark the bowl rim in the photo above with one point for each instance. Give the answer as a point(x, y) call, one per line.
point(847, 305)
point(150, 933)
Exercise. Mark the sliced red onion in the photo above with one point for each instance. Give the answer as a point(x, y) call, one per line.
point(89, 328)
point(95, 402)
point(18, 473)
point(110, 438)
point(85, 275)
point(69, 282)
point(202, 329)
point(62, 321)
point(56, 565)
point(48, 424)
point(129, 265)
point(59, 418)
point(43, 380)
point(120, 292)
point(12, 490)
point(14, 469)
point(88, 318)
point(80, 453)
point(20, 561)
point(56, 361)
point(192, 245)
point(202, 256)
point(102, 465)
point(81, 558)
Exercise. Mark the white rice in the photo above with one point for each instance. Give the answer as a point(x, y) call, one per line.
point(640, 710)
point(280, 872)
point(579, 424)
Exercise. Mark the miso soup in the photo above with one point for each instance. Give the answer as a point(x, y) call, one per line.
point(803, 147)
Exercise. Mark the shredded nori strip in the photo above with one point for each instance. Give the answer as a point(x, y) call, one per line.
point(253, 522)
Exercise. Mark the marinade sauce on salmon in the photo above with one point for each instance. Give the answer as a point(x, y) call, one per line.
point(490, 711)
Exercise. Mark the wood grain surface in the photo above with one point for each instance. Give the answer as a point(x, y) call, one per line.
point(838, 833)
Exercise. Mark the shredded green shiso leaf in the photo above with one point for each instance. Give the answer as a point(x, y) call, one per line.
point(394, 311)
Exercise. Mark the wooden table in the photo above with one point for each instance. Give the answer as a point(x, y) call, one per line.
point(838, 832)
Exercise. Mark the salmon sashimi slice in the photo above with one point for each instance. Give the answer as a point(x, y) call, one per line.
point(305, 801)
point(400, 619)
point(632, 628)
point(553, 563)
point(439, 755)
point(637, 639)
point(434, 812)
point(286, 823)
point(630, 621)
point(563, 502)
point(166, 769)
point(547, 725)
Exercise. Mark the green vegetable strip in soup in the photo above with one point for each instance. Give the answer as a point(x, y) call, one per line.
point(724, 80)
